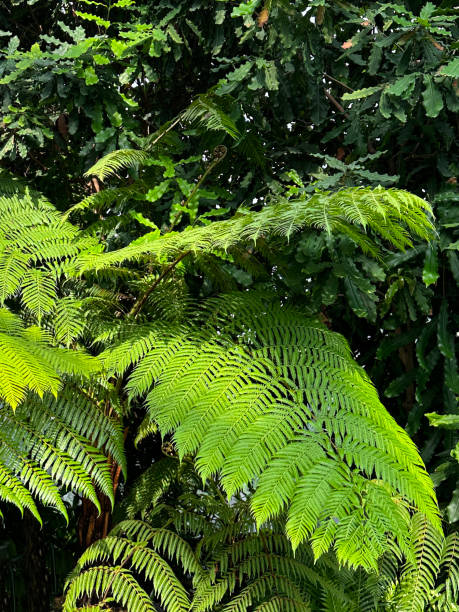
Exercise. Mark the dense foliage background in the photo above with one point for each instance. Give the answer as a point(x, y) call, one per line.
point(311, 95)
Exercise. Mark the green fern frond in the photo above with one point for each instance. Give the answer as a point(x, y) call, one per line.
point(38, 292)
point(67, 321)
point(395, 223)
point(449, 569)
point(207, 111)
point(116, 581)
point(259, 393)
point(103, 199)
point(147, 489)
point(115, 161)
point(27, 362)
point(141, 556)
point(419, 574)
point(49, 444)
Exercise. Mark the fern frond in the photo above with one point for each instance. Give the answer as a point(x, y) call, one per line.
point(141, 556)
point(207, 111)
point(49, 444)
point(419, 574)
point(115, 161)
point(28, 362)
point(103, 199)
point(323, 211)
point(116, 581)
point(147, 489)
point(261, 394)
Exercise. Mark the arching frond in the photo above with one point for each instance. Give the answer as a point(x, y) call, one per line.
point(134, 548)
point(260, 394)
point(115, 161)
point(420, 572)
point(395, 215)
point(27, 362)
point(51, 444)
point(206, 110)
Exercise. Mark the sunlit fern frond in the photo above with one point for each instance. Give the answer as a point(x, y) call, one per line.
point(29, 363)
point(394, 215)
point(259, 393)
point(114, 162)
point(36, 246)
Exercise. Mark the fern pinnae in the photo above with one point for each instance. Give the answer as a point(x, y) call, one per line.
point(115, 161)
point(419, 574)
point(322, 210)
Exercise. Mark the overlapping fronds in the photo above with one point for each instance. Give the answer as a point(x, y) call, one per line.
point(49, 444)
point(102, 200)
point(133, 548)
point(394, 215)
point(259, 393)
point(229, 565)
point(28, 362)
point(430, 554)
point(259, 571)
point(36, 246)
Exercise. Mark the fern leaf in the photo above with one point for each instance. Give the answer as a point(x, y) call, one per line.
point(329, 212)
point(419, 574)
point(116, 161)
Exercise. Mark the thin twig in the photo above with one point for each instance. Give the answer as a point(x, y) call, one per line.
point(328, 76)
point(163, 133)
point(336, 103)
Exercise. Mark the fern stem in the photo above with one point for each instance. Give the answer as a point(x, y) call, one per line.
point(164, 132)
point(219, 153)
point(141, 301)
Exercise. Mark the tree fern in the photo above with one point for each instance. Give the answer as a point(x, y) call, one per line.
point(48, 443)
point(225, 563)
point(260, 394)
point(52, 429)
point(36, 248)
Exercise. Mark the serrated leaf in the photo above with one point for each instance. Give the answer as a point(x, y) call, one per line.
point(451, 69)
point(448, 421)
point(245, 8)
point(374, 59)
point(363, 304)
point(384, 106)
point(272, 82)
point(403, 86)
point(427, 10)
point(432, 98)
point(362, 93)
